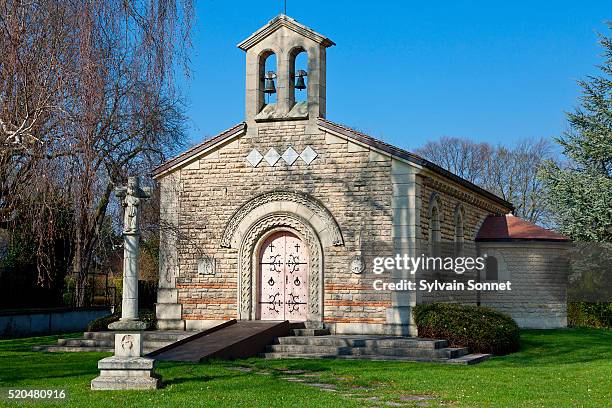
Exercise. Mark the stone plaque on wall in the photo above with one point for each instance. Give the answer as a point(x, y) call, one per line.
point(206, 266)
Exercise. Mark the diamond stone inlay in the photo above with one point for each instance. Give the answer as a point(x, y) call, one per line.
point(272, 156)
point(308, 155)
point(290, 156)
point(254, 157)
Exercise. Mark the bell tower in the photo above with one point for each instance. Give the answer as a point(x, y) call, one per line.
point(284, 38)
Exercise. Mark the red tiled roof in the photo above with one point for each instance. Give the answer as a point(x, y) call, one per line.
point(511, 228)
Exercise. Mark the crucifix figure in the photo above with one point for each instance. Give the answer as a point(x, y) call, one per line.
point(131, 197)
point(128, 369)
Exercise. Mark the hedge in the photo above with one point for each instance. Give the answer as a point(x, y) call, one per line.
point(480, 329)
point(589, 314)
point(101, 323)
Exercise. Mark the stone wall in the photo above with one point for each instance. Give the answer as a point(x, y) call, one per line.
point(352, 182)
point(40, 322)
point(538, 272)
point(450, 198)
point(381, 204)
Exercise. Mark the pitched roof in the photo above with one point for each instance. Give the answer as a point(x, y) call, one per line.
point(283, 20)
point(175, 161)
point(342, 130)
point(411, 157)
point(511, 228)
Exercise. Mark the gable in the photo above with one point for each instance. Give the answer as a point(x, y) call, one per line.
point(199, 151)
point(356, 140)
point(284, 21)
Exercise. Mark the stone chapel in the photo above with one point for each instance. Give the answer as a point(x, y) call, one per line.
point(278, 217)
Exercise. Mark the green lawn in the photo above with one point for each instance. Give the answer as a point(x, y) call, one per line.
point(556, 368)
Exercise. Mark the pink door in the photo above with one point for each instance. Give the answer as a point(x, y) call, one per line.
point(283, 282)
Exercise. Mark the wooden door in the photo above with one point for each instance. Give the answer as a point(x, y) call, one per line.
point(283, 278)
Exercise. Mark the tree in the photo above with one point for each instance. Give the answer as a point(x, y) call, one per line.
point(462, 157)
point(87, 98)
point(509, 172)
point(580, 194)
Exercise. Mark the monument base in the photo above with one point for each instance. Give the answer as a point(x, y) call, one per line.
point(128, 325)
point(127, 369)
point(126, 373)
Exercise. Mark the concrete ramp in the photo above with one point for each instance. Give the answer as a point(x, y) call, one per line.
point(230, 340)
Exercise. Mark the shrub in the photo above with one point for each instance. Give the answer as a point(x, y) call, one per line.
point(481, 329)
point(589, 314)
point(101, 323)
point(149, 317)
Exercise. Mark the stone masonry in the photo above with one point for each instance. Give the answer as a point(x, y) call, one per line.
point(349, 196)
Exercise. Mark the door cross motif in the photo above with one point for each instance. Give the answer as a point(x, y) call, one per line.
point(283, 288)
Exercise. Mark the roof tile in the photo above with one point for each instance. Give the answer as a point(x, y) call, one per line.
point(511, 228)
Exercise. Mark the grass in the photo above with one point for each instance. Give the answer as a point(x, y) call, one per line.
point(555, 368)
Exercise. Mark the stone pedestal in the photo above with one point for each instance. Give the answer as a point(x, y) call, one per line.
point(167, 309)
point(127, 369)
point(126, 373)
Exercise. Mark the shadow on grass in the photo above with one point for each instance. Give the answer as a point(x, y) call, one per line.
point(18, 363)
point(319, 366)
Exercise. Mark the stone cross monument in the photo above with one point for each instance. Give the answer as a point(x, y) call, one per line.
point(131, 197)
point(127, 369)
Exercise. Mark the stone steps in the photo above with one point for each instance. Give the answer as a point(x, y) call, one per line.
point(371, 348)
point(85, 349)
point(154, 344)
point(147, 335)
point(105, 342)
point(464, 360)
point(369, 351)
point(309, 332)
point(359, 341)
point(305, 342)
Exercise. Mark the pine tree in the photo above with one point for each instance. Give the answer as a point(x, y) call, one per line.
point(580, 194)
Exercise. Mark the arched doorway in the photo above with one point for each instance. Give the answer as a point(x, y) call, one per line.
point(283, 272)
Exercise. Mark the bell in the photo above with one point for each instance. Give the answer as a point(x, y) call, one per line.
point(300, 83)
point(269, 87)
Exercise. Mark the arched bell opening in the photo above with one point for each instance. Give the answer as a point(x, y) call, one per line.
point(298, 76)
point(268, 68)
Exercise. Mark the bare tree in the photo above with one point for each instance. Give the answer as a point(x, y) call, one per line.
point(37, 44)
point(463, 157)
point(87, 97)
point(510, 172)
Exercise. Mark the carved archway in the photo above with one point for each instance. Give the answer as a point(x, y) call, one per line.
point(247, 261)
point(298, 203)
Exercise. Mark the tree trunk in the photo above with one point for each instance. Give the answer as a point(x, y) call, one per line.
point(78, 273)
point(85, 242)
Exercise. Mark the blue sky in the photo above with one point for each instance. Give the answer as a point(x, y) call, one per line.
point(408, 72)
